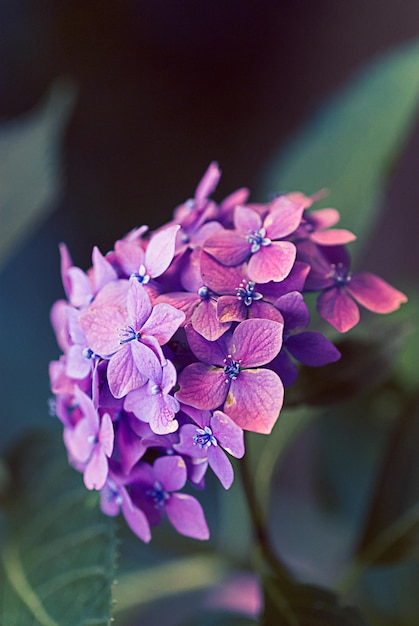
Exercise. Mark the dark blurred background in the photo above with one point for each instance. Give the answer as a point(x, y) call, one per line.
point(162, 89)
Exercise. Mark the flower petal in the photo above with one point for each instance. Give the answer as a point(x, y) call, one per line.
point(106, 434)
point(205, 321)
point(374, 293)
point(255, 400)
point(256, 342)
point(160, 250)
point(273, 262)
point(228, 434)
point(312, 348)
point(123, 373)
point(338, 308)
point(221, 466)
point(228, 247)
point(163, 322)
point(96, 470)
point(171, 472)
point(187, 516)
point(202, 386)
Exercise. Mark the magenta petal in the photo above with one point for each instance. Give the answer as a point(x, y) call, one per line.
point(182, 301)
point(138, 304)
point(130, 256)
point(231, 309)
point(374, 293)
point(294, 310)
point(255, 400)
point(186, 443)
point(284, 218)
point(171, 472)
point(160, 250)
point(218, 277)
point(81, 289)
point(228, 434)
point(131, 447)
point(205, 321)
point(324, 218)
point(246, 220)
point(163, 322)
point(134, 517)
point(88, 408)
point(228, 246)
point(338, 308)
point(213, 352)
point(96, 471)
point(123, 374)
point(256, 342)
point(202, 386)
point(273, 262)
point(312, 348)
point(187, 516)
point(334, 237)
point(208, 183)
point(221, 466)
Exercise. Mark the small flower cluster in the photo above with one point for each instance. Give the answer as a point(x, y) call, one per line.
point(177, 342)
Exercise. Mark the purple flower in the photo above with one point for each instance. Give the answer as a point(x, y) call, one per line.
point(209, 438)
point(151, 262)
point(90, 442)
point(343, 290)
point(315, 226)
point(229, 374)
point(259, 242)
point(115, 497)
point(153, 491)
point(122, 325)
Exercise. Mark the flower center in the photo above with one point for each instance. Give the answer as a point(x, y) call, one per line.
point(246, 292)
point(129, 334)
point(231, 368)
point(159, 495)
point(142, 276)
point(204, 438)
point(339, 274)
point(257, 239)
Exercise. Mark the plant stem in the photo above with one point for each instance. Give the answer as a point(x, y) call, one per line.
point(259, 526)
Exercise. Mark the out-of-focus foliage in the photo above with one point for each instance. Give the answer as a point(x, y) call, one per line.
point(30, 165)
point(58, 559)
point(354, 141)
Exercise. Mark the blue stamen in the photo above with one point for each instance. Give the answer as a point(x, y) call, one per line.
point(257, 239)
point(204, 438)
point(159, 495)
point(231, 369)
point(246, 292)
point(88, 353)
point(142, 276)
point(130, 335)
point(203, 292)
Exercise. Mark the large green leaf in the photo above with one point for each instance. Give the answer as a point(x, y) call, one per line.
point(58, 558)
point(351, 144)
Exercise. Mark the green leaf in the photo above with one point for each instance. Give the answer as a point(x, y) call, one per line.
point(58, 558)
point(294, 604)
point(352, 143)
point(30, 164)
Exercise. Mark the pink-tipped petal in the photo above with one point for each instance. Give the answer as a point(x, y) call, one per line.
point(273, 262)
point(202, 386)
point(256, 342)
point(228, 247)
point(334, 237)
point(338, 308)
point(231, 309)
point(374, 293)
point(208, 183)
point(228, 434)
point(205, 321)
point(284, 218)
point(163, 322)
point(103, 272)
point(255, 400)
point(246, 220)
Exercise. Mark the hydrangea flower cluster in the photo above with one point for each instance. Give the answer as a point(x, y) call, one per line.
point(175, 343)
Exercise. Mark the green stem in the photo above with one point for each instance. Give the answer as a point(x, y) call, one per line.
point(259, 525)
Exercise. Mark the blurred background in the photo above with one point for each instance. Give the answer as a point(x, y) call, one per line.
point(122, 105)
point(110, 112)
